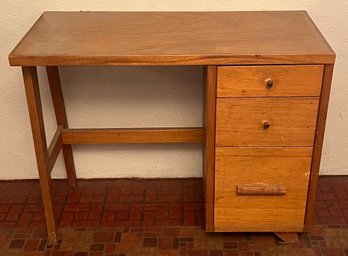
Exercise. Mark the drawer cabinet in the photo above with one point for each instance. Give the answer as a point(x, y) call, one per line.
point(262, 139)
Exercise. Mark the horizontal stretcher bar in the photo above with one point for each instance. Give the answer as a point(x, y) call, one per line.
point(129, 136)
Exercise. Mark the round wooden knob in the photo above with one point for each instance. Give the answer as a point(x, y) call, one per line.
point(269, 83)
point(266, 125)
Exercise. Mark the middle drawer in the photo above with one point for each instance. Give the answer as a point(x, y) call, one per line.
point(266, 121)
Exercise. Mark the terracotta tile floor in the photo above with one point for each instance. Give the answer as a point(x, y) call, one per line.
point(153, 217)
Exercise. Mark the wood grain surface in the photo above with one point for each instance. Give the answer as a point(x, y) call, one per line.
point(209, 106)
point(135, 135)
point(54, 148)
point(60, 112)
point(31, 85)
point(172, 38)
point(287, 80)
point(318, 143)
point(240, 121)
point(289, 167)
point(261, 189)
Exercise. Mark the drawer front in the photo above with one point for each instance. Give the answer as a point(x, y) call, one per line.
point(261, 189)
point(266, 121)
point(254, 81)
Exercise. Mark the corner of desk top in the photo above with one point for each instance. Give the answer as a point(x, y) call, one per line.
point(12, 60)
point(12, 57)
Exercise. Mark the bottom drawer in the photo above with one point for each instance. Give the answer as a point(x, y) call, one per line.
point(261, 189)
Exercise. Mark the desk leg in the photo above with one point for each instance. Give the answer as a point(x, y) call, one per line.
point(59, 108)
point(31, 84)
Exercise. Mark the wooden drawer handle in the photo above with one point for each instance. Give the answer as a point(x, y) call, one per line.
point(261, 189)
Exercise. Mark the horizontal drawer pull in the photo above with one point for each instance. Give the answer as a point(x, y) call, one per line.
point(261, 189)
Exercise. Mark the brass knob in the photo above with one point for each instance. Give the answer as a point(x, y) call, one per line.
point(266, 125)
point(269, 83)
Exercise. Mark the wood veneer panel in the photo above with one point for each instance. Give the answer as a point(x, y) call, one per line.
point(286, 80)
point(172, 38)
point(282, 167)
point(241, 121)
point(318, 144)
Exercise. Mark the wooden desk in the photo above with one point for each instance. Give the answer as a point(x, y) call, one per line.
point(267, 83)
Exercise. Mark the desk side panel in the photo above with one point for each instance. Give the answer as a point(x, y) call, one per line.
point(209, 144)
point(318, 144)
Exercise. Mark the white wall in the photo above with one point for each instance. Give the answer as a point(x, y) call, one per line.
point(144, 97)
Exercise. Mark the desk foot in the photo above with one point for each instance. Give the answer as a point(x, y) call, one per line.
point(51, 244)
point(287, 237)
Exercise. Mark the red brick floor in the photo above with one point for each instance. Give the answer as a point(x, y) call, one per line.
point(105, 203)
point(153, 217)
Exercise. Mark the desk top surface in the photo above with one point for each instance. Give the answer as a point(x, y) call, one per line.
point(172, 38)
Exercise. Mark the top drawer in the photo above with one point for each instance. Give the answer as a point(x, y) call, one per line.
point(255, 81)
